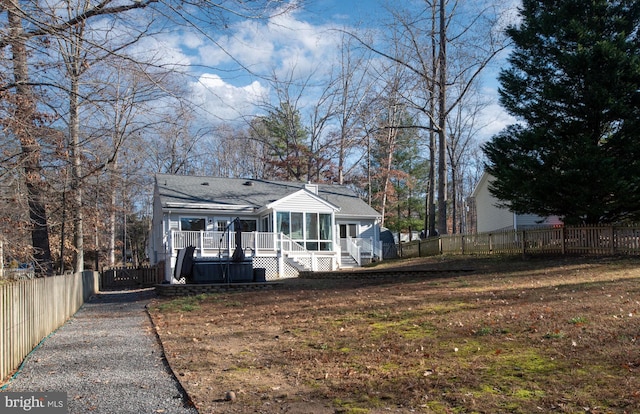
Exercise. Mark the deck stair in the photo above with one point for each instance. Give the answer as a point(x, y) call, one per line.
point(347, 262)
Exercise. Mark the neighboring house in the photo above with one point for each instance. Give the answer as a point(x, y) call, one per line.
point(489, 217)
point(286, 227)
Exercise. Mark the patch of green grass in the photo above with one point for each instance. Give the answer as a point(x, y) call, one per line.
point(554, 335)
point(448, 307)
point(377, 314)
point(485, 330)
point(406, 329)
point(320, 346)
point(578, 320)
point(524, 362)
point(233, 304)
point(524, 394)
point(389, 367)
point(182, 304)
point(349, 407)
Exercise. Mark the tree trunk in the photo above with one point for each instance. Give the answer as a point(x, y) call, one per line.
point(431, 205)
point(112, 214)
point(76, 175)
point(442, 124)
point(25, 117)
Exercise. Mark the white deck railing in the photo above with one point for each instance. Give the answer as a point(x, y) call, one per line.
point(223, 244)
point(218, 243)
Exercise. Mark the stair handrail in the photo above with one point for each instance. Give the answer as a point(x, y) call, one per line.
point(294, 246)
point(353, 249)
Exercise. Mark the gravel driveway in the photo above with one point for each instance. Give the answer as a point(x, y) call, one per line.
point(107, 359)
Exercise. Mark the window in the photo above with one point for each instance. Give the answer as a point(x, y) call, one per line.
point(266, 223)
point(282, 222)
point(192, 224)
point(248, 225)
point(221, 225)
point(348, 230)
point(297, 219)
point(313, 230)
point(312, 226)
point(325, 227)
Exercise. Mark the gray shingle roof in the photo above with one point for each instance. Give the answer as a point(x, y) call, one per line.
point(183, 189)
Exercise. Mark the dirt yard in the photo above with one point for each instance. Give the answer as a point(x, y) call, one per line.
point(476, 335)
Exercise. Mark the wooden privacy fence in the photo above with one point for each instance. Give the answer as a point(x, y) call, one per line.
point(596, 240)
point(32, 309)
point(126, 277)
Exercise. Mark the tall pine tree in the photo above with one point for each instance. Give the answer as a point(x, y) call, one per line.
point(573, 81)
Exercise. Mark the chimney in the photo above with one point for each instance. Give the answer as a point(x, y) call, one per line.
point(311, 187)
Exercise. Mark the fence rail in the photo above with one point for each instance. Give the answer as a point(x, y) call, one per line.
point(32, 309)
point(590, 240)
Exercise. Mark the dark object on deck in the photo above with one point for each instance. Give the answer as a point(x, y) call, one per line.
point(238, 253)
point(260, 274)
point(184, 263)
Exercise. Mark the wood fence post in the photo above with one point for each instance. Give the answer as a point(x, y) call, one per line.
point(563, 240)
point(524, 243)
point(611, 235)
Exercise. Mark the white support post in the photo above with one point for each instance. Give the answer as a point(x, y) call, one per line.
point(169, 257)
point(255, 243)
point(201, 243)
point(280, 264)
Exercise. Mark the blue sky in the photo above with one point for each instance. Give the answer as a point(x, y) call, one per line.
point(302, 42)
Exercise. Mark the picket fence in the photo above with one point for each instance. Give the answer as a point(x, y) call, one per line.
point(588, 240)
point(31, 309)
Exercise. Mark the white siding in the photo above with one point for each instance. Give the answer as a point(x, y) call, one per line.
point(302, 202)
point(157, 250)
point(492, 218)
point(489, 216)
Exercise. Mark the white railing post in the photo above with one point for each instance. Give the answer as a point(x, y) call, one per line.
point(255, 243)
point(170, 264)
point(201, 243)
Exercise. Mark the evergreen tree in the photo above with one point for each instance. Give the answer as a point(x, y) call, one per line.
point(287, 143)
point(574, 82)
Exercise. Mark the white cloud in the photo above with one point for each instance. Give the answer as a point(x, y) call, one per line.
point(222, 101)
point(495, 120)
point(284, 45)
point(281, 44)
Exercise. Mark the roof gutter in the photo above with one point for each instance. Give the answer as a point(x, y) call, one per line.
point(209, 206)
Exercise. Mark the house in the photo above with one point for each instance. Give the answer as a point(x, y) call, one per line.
point(284, 227)
point(490, 217)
